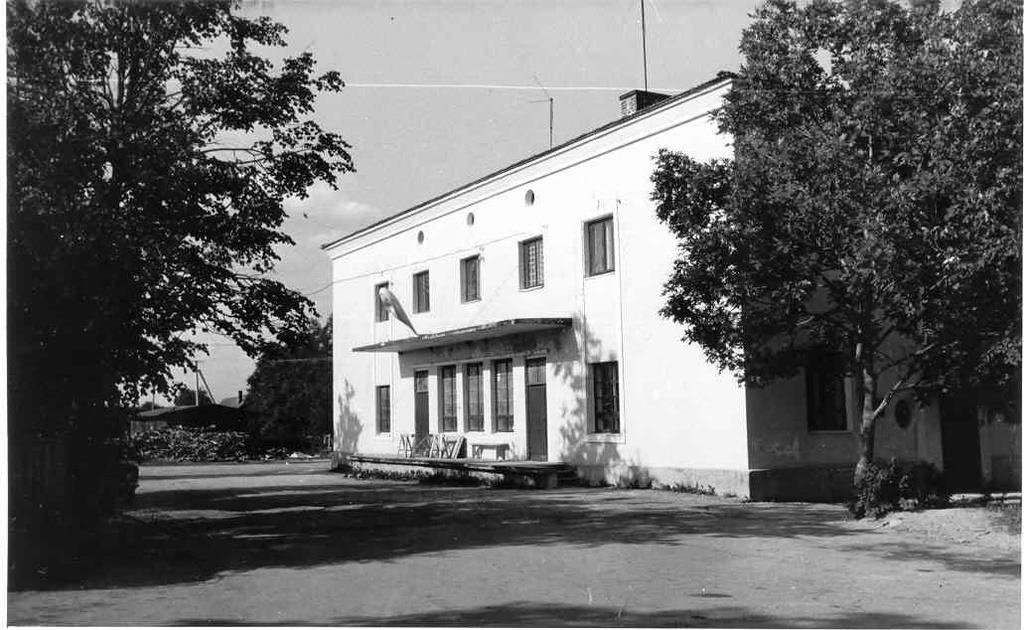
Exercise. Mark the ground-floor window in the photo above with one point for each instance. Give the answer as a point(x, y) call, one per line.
point(449, 420)
point(605, 379)
point(502, 387)
point(473, 383)
point(383, 409)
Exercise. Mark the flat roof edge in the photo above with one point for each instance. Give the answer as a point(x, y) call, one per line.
point(721, 77)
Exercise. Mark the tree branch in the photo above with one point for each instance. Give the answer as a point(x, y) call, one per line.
point(887, 398)
point(233, 149)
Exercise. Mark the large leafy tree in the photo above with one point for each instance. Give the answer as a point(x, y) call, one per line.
point(150, 151)
point(290, 390)
point(872, 206)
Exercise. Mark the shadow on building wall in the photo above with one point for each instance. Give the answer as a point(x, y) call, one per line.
point(348, 427)
point(600, 460)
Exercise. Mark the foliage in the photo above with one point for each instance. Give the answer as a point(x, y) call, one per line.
point(186, 397)
point(872, 206)
point(696, 488)
point(881, 490)
point(192, 445)
point(290, 389)
point(150, 152)
point(429, 477)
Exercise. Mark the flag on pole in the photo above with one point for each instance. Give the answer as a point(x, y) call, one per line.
point(390, 301)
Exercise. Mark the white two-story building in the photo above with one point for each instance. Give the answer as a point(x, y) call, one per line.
point(534, 293)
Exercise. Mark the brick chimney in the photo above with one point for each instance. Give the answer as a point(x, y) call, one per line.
point(633, 101)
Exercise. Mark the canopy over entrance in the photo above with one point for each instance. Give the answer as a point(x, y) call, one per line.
point(472, 333)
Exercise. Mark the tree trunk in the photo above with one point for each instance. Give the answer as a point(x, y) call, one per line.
point(867, 424)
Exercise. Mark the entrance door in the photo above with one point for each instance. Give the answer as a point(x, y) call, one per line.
point(961, 446)
point(422, 404)
point(536, 410)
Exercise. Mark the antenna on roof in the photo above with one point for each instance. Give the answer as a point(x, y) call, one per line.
point(643, 38)
point(551, 112)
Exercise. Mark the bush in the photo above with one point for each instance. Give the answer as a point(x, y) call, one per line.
point(895, 487)
point(192, 445)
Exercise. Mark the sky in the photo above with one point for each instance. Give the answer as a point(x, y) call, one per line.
point(415, 133)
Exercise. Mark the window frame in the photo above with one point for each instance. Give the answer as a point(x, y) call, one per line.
point(598, 384)
point(418, 301)
point(383, 410)
point(821, 366)
point(474, 422)
point(589, 257)
point(448, 423)
point(381, 312)
point(496, 418)
point(538, 271)
point(464, 285)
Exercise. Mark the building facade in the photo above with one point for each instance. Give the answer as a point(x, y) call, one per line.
point(534, 295)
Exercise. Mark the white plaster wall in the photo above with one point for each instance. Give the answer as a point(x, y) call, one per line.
point(683, 411)
point(675, 409)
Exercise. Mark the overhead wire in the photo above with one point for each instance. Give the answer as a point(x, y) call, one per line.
point(499, 86)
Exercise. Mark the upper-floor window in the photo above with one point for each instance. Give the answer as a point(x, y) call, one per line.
point(469, 278)
point(473, 382)
point(531, 263)
point(826, 391)
point(600, 250)
point(421, 292)
point(380, 309)
point(449, 420)
point(605, 378)
point(383, 409)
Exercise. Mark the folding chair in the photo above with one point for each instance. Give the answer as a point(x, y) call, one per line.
point(421, 446)
point(405, 444)
point(436, 447)
point(453, 447)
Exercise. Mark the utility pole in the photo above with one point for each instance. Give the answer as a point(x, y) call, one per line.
point(196, 366)
point(643, 37)
point(551, 121)
point(206, 386)
point(551, 112)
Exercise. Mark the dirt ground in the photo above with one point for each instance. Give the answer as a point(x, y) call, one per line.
point(293, 544)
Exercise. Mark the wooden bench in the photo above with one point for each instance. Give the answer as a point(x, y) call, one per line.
point(500, 450)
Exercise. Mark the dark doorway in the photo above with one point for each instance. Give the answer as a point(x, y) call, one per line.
point(961, 446)
point(536, 410)
point(422, 403)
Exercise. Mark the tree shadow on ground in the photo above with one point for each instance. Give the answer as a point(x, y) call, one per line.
point(186, 535)
point(530, 614)
point(244, 470)
point(994, 564)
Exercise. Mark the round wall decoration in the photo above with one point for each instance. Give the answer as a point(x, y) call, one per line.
point(529, 197)
point(470, 219)
point(419, 237)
